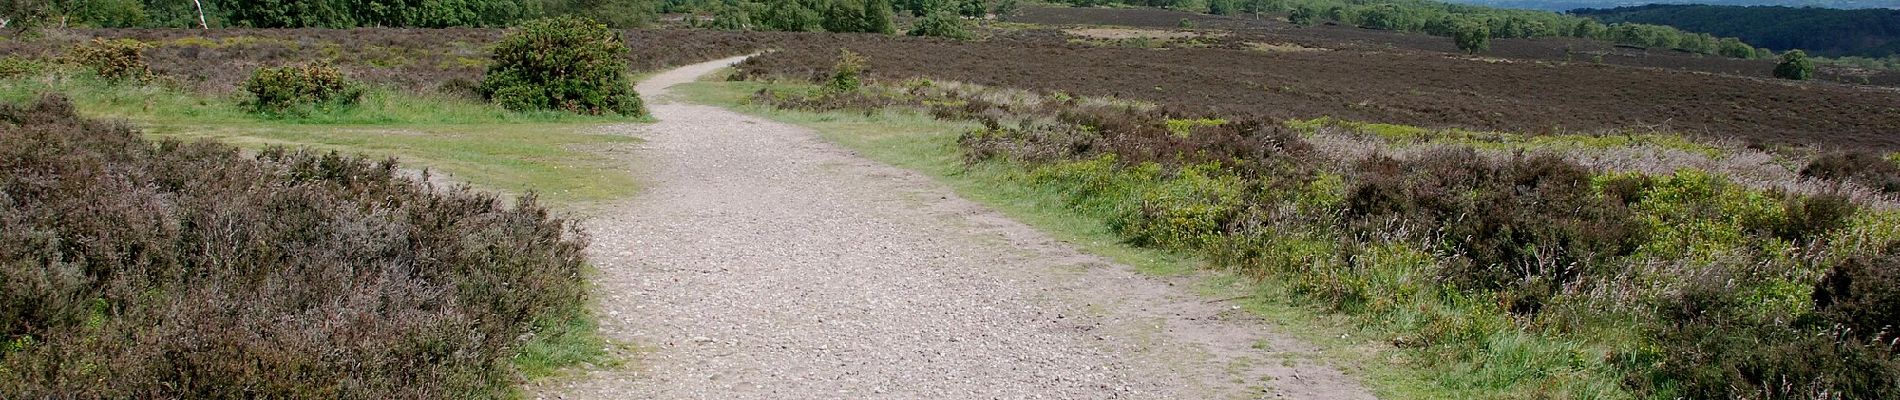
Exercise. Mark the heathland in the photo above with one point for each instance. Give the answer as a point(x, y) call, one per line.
point(205, 213)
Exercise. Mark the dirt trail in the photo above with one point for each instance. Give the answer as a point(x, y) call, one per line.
point(761, 262)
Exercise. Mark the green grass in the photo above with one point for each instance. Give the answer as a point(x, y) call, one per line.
point(924, 144)
point(563, 157)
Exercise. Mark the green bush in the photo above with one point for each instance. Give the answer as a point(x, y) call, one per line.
point(1794, 65)
point(1472, 38)
point(567, 64)
point(845, 76)
point(299, 89)
point(941, 23)
point(14, 66)
point(115, 60)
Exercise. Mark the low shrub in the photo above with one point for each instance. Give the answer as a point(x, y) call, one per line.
point(1860, 167)
point(115, 60)
point(943, 24)
point(567, 64)
point(1524, 226)
point(846, 74)
point(296, 89)
point(14, 66)
point(134, 269)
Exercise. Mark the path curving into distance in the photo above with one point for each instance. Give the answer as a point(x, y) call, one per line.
point(761, 262)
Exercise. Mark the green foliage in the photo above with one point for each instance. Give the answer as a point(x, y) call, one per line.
point(845, 76)
point(117, 60)
point(730, 17)
point(16, 66)
point(300, 89)
point(1005, 8)
point(1794, 65)
point(567, 64)
point(972, 8)
point(1303, 16)
point(792, 16)
point(1824, 31)
point(942, 24)
point(1472, 38)
point(877, 17)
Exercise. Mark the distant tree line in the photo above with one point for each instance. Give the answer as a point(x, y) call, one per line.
point(313, 13)
point(1821, 31)
point(1457, 20)
point(943, 18)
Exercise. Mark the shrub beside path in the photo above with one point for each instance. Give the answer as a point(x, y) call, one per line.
point(760, 262)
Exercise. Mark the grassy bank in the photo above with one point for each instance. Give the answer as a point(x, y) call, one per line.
point(567, 159)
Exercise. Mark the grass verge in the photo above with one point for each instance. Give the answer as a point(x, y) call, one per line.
point(565, 158)
point(928, 145)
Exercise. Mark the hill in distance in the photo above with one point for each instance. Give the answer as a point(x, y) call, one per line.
point(1823, 31)
point(1562, 5)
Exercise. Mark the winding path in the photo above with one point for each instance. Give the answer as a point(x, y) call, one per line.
point(761, 262)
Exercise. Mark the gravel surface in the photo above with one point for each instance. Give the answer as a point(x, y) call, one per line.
point(760, 262)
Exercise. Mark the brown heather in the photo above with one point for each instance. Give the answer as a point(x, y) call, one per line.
point(133, 269)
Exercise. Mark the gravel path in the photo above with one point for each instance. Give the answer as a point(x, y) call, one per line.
point(761, 262)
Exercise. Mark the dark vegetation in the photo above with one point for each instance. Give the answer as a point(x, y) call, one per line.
point(450, 61)
point(566, 64)
point(1794, 65)
point(1860, 167)
point(1872, 32)
point(1452, 20)
point(1413, 88)
point(27, 14)
point(1341, 37)
point(1682, 285)
point(196, 270)
point(299, 89)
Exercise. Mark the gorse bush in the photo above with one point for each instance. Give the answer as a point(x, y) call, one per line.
point(195, 270)
point(15, 66)
point(846, 74)
point(297, 89)
point(566, 64)
point(115, 60)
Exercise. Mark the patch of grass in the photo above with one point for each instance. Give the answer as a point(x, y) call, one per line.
point(562, 156)
point(927, 145)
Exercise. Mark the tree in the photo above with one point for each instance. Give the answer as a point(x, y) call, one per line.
point(1222, 7)
point(972, 8)
point(941, 23)
point(792, 16)
point(1795, 65)
point(877, 17)
point(1302, 16)
point(845, 16)
point(1473, 38)
point(1005, 8)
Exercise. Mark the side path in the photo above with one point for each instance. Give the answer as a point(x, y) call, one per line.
point(761, 262)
